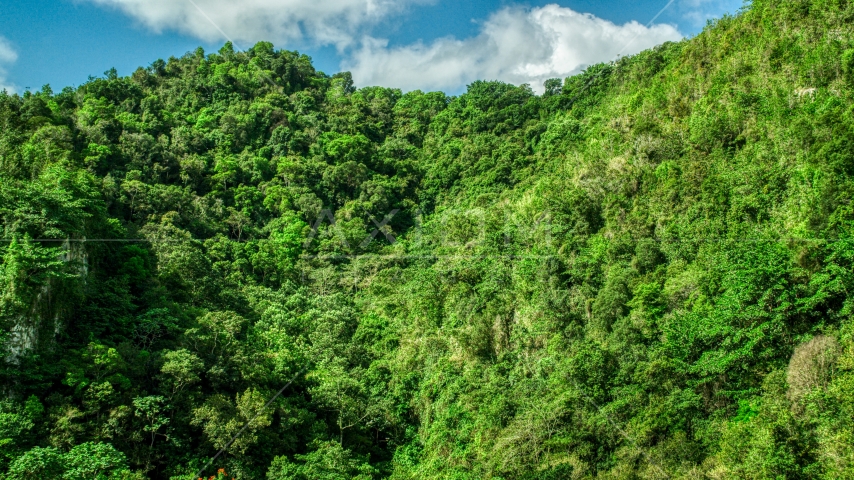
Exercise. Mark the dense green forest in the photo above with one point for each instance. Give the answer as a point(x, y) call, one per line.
point(643, 272)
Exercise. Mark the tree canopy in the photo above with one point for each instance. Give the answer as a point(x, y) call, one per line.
point(643, 272)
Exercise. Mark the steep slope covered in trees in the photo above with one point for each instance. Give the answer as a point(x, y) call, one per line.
point(642, 273)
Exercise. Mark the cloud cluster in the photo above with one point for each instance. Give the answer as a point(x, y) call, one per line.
point(514, 45)
point(284, 22)
point(7, 56)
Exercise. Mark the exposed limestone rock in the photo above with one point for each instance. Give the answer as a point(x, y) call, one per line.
point(25, 334)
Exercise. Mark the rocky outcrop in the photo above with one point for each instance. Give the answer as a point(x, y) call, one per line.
point(44, 320)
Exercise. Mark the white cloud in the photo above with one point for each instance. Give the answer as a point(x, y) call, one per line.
point(7, 56)
point(514, 45)
point(327, 22)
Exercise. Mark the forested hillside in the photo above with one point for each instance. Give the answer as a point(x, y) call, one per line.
point(642, 273)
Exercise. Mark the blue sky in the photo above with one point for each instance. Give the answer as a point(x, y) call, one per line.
point(428, 44)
